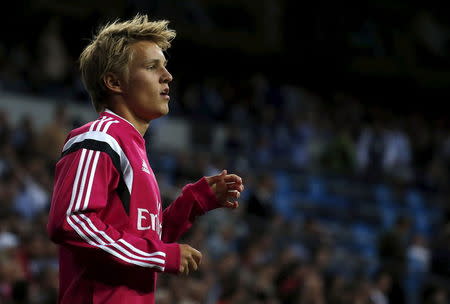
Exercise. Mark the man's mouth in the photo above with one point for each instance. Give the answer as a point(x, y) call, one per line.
point(165, 93)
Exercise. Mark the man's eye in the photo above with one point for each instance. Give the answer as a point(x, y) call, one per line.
point(151, 67)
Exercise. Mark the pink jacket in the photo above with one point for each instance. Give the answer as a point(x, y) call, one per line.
point(107, 217)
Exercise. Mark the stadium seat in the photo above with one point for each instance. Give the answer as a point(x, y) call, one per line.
point(414, 199)
point(316, 187)
point(383, 194)
point(283, 182)
point(388, 214)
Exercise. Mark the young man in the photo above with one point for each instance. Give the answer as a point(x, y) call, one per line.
point(106, 210)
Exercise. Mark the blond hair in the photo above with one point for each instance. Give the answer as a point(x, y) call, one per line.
point(110, 51)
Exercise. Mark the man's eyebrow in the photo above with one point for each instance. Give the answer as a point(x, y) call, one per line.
point(149, 61)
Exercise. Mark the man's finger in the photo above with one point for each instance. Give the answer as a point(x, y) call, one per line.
point(192, 263)
point(235, 186)
point(230, 178)
point(216, 178)
point(197, 256)
point(183, 267)
point(186, 266)
point(233, 194)
point(232, 205)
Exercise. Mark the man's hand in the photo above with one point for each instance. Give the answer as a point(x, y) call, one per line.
point(227, 188)
point(190, 258)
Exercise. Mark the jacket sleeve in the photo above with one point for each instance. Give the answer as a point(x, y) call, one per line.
point(195, 200)
point(83, 181)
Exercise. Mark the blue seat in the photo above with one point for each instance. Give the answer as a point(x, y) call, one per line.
point(422, 223)
point(284, 205)
point(336, 202)
point(388, 215)
point(383, 194)
point(316, 188)
point(414, 199)
point(363, 234)
point(283, 182)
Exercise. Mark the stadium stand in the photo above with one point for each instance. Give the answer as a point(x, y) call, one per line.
point(343, 204)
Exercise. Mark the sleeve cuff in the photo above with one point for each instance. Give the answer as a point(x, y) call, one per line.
point(172, 251)
point(203, 195)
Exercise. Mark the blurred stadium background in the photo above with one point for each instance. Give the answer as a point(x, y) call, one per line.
point(333, 115)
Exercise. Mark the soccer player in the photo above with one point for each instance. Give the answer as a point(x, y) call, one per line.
point(106, 212)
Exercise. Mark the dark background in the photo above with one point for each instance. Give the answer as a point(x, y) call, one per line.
point(389, 53)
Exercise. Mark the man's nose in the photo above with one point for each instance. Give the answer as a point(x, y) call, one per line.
point(166, 77)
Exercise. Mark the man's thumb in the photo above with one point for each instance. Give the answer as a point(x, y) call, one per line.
point(215, 178)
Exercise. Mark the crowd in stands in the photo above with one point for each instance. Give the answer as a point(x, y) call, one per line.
point(344, 203)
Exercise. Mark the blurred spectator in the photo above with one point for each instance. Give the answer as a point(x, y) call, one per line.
point(397, 159)
point(260, 199)
point(313, 290)
point(392, 247)
point(31, 199)
point(54, 60)
point(289, 281)
point(362, 292)
point(339, 154)
point(381, 288)
point(371, 151)
point(440, 252)
point(4, 129)
point(23, 138)
point(54, 134)
point(313, 234)
point(221, 243)
point(418, 257)
point(437, 295)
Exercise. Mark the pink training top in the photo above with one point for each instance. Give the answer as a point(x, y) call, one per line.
point(107, 217)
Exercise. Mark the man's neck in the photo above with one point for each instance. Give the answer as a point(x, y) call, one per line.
point(140, 125)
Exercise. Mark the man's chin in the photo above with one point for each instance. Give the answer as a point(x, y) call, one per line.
point(165, 110)
point(161, 113)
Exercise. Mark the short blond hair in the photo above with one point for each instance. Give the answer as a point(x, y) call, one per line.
point(110, 51)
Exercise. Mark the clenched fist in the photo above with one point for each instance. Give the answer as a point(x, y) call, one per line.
point(190, 258)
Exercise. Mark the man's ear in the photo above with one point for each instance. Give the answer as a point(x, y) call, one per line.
point(112, 82)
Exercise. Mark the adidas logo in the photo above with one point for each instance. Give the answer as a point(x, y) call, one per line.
point(145, 167)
